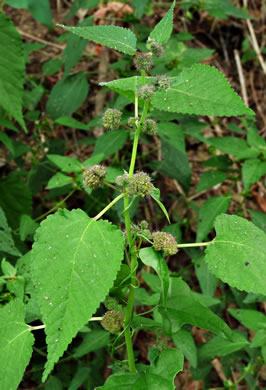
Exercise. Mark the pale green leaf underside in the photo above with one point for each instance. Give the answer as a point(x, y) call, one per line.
point(16, 343)
point(163, 30)
point(118, 38)
point(238, 254)
point(156, 196)
point(201, 90)
point(12, 69)
point(160, 376)
point(74, 263)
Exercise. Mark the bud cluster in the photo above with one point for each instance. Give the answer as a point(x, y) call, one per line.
point(165, 242)
point(143, 61)
point(94, 176)
point(150, 127)
point(123, 180)
point(156, 48)
point(162, 81)
point(143, 229)
point(146, 92)
point(111, 118)
point(112, 321)
point(140, 184)
point(132, 121)
point(110, 303)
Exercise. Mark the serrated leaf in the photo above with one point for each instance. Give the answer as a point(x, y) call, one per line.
point(252, 171)
point(156, 196)
point(210, 209)
point(163, 30)
point(238, 254)
point(201, 90)
point(159, 376)
point(251, 319)
point(259, 219)
point(152, 258)
point(139, 7)
point(221, 347)
point(74, 263)
point(183, 308)
point(210, 179)
point(6, 240)
point(118, 38)
point(12, 69)
point(67, 95)
point(16, 343)
point(238, 147)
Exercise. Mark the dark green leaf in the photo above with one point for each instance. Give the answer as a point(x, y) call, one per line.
point(209, 179)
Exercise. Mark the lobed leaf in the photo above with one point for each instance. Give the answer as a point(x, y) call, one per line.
point(118, 38)
point(16, 343)
point(201, 90)
point(238, 254)
point(74, 263)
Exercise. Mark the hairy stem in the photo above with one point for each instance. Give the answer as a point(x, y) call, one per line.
point(109, 206)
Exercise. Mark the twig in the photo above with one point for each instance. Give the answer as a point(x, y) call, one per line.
point(34, 38)
point(241, 77)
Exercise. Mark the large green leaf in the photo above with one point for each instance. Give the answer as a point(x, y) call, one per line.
point(163, 30)
point(154, 259)
point(209, 179)
point(6, 240)
point(233, 145)
point(184, 340)
point(74, 263)
point(183, 308)
point(252, 171)
point(210, 209)
point(201, 90)
point(67, 95)
point(66, 164)
point(159, 376)
point(208, 282)
point(16, 343)
point(238, 254)
point(118, 38)
point(12, 69)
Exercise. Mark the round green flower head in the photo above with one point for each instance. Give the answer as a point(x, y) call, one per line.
point(146, 92)
point(112, 321)
point(155, 48)
point(150, 127)
point(143, 228)
point(143, 61)
point(111, 118)
point(94, 176)
point(110, 303)
point(164, 242)
point(140, 184)
point(162, 81)
point(122, 180)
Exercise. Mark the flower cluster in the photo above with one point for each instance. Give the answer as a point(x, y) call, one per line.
point(111, 118)
point(94, 176)
point(132, 121)
point(140, 184)
point(143, 61)
point(150, 127)
point(146, 92)
point(143, 229)
point(110, 303)
point(156, 48)
point(162, 81)
point(165, 242)
point(123, 180)
point(112, 321)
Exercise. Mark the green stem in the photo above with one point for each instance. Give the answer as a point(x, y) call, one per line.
point(195, 244)
point(109, 206)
